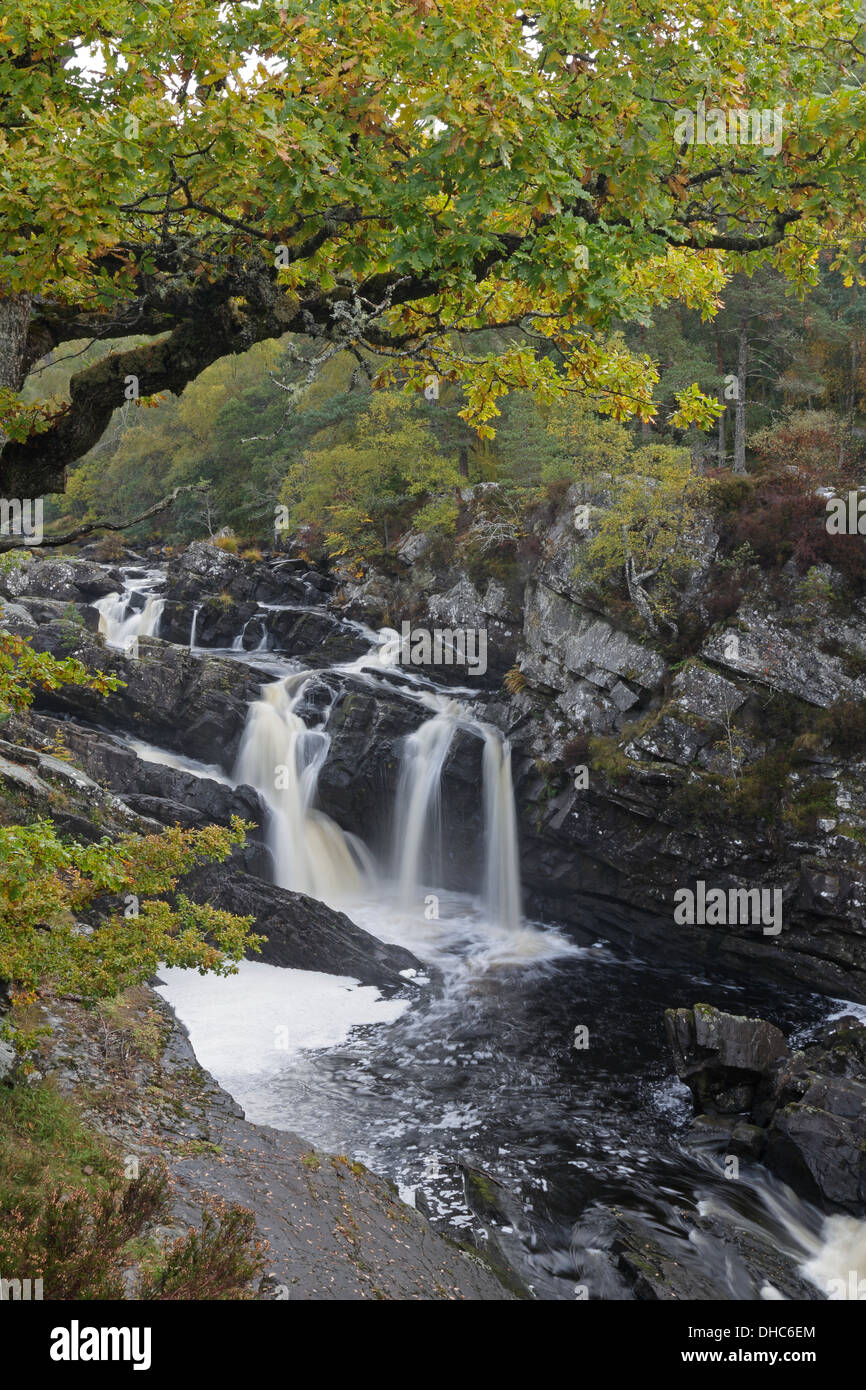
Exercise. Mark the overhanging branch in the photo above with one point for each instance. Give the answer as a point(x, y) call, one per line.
point(88, 527)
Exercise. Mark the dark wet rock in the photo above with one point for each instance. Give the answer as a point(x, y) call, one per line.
point(818, 1145)
point(58, 578)
point(15, 617)
point(315, 638)
point(671, 741)
point(35, 784)
point(804, 1114)
point(661, 806)
point(207, 574)
point(722, 1057)
point(730, 1133)
point(218, 621)
point(47, 610)
point(301, 932)
point(657, 1263)
point(358, 784)
point(204, 570)
point(197, 706)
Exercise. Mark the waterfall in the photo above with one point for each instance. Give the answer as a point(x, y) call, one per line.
point(238, 642)
point(120, 626)
point(282, 758)
point(417, 813)
point(151, 617)
point(195, 614)
point(502, 896)
point(418, 821)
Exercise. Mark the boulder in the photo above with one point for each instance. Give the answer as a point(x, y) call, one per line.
point(721, 1057)
point(58, 578)
point(300, 932)
point(804, 1114)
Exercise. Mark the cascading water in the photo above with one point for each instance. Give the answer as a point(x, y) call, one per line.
point(192, 627)
point(121, 624)
point(238, 642)
point(282, 758)
point(417, 815)
point(418, 812)
point(502, 896)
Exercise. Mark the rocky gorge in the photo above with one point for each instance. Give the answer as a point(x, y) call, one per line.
point(636, 768)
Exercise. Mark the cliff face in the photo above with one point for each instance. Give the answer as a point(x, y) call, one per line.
point(739, 764)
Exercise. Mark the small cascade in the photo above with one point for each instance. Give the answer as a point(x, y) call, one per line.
point(151, 617)
point(238, 642)
point(282, 758)
point(195, 613)
point(121, 624)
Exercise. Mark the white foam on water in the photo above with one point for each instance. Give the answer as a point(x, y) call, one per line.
point(254, 1023)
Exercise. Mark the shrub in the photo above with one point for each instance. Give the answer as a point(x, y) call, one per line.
point(576, 750)
point(845, 726)
point(724, 595)
point(809, 804)
point(779, 513)
point(761, 790)
point(218, 1262)
point(66, 1209)
point(228, 543)
point(109, 550)
point(70, 1217)
point(514, 680)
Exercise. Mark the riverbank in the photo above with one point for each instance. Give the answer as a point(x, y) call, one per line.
point(334, 1230)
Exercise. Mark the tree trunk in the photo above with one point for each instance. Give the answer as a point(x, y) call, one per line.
point(14, 324)
point(638, 595)
point(846, 432)
point(463, 460)
point(740, 410)
point(722, 453)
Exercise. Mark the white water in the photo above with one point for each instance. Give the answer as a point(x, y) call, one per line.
point(830, 1251)
point(501, 866)
point(282, 758)
point(151, 753)
point(418, 811)
point(235, 1022)
point(253, 1022)
point(121, 625)
point(195, 613)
